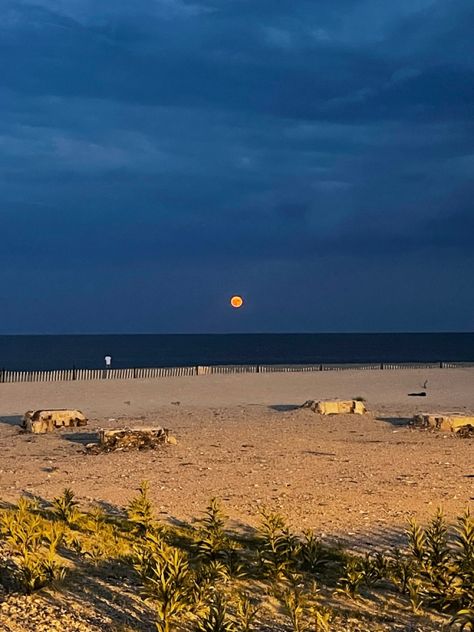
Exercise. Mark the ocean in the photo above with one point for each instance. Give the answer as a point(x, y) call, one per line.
point(149, 350)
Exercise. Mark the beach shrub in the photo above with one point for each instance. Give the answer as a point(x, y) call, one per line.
point(204, 577)
point(246, 612)
point(33, 542)
point(352, 578)
point(211, 539)
point(65, 508)
point(296, 606)
point(313, 555)
point(140, 511)
point(278, 548)
point(216, 617)
point(168, 582)
point(322, 617)
point(464, 619)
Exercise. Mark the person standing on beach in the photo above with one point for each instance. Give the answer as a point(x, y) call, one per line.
point(108, 361)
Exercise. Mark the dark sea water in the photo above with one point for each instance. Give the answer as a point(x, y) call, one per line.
point(62, 352)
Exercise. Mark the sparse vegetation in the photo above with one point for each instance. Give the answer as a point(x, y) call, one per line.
point(205, 578)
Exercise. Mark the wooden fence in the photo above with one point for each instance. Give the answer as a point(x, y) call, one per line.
point(65, 375)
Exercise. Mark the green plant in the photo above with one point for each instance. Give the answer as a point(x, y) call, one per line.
point(213, 571)
point(140, 511)
point(352, 579)
point(278, 548)
point(233, 562)
point(435, 543)
point(211, 581)
point(312, 553)
point(212, 540)
point(375, 568)
point(216, 619)
point(416, 541)
point(168, 582)
point(400, 570)
point(464, 618)
point(33, 542)
point(296, 606)
point(65, 507)
point(322, 617)
point(443, 569)
point(463, 554)
point(415, 595)
point(246, 611)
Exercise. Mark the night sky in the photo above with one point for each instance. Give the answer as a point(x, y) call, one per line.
point(158, 156)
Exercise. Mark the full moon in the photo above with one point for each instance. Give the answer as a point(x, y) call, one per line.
point(236, 301)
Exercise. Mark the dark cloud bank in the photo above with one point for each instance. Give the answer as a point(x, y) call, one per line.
point(159, 155)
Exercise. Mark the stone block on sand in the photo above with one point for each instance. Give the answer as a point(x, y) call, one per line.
point(133, 438)
point(336, 407)
point(41, 421)
point(446, 422)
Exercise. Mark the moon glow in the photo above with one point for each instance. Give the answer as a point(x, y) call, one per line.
point(236, 302)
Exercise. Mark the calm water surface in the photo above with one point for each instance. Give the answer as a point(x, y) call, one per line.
point(61, 352)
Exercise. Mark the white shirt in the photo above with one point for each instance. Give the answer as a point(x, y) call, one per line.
point(108, 360)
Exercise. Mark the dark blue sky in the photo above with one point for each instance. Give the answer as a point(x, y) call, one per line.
point(158, 156)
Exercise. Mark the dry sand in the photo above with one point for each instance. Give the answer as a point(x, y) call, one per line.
point(241, 439)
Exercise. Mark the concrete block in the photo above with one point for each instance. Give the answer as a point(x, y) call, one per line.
point(42, 421)
point(336, 407)
point(445, 422)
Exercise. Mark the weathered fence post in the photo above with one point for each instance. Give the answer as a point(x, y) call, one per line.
point(2, 375)
point(74, 373)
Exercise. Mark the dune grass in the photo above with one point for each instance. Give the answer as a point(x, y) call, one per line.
point(205, 577)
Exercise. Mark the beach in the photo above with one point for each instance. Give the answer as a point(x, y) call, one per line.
point(354, 480)
point(243, 439)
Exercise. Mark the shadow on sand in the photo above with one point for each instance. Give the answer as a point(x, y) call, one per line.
point(396, 421)
point(11, 420)
point(284, 408)
point(82, 437)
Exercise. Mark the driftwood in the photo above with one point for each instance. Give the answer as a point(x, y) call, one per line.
point(462, 425)
point(125, 439)
point(41, 421)
point(336, 407)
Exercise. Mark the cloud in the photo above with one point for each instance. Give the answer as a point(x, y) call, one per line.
point(234, 134)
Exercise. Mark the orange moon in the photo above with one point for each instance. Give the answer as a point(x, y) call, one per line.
point(236, 301)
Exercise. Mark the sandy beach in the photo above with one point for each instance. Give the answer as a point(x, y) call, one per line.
point(242, 439)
